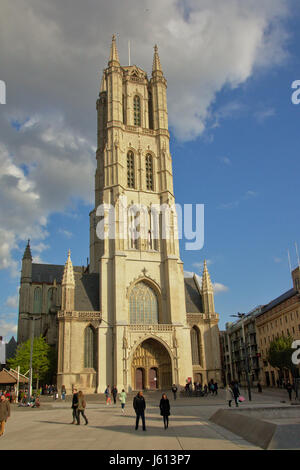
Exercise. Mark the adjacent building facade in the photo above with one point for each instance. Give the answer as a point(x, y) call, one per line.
point(129, 318)
point(280, 317)
point(239, 350)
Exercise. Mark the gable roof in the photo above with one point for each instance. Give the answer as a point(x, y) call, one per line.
point(193, 298)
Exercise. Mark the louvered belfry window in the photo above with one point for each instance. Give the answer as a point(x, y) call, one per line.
point(149, 172)
point(130, 169)
point(137, 110)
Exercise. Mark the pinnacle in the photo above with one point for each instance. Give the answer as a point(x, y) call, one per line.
point(68, 276)
point(114, 56)
point(156, 61)
point(27, 252)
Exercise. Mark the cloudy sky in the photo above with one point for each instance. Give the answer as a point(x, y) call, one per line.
point(234, 131)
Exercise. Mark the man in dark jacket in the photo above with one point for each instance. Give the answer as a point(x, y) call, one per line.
point(74, 405)
point(139, 406)
point(4, 413)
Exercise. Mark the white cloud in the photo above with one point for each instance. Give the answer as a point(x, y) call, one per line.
point(7, 329)
point(262, 115)
point(219, 288)
point(53, 76)
point(12, 301)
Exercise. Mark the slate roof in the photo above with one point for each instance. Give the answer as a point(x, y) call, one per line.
point(193, 299)
point(86, 292)
point(48, 272)
point(87, 287)
point(287, 295)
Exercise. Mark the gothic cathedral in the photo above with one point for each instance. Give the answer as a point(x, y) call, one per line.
point(130, 317)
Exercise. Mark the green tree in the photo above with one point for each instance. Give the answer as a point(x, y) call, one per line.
point(280, 352)
point(41, 358)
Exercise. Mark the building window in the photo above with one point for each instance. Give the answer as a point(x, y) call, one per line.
point(89, 347)
point(37, 300)
point(137, 110)
point(130, 169)
point(195, 343)
point(51, 298)
point(143, 305)
point(149, 172)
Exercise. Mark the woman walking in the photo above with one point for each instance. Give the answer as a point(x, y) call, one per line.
point(122, 398)
point(81, 408)
point(229, 395)
point(107, 395)
point(165, 409)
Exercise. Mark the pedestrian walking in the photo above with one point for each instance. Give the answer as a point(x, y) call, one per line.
point(216, 388)
point(236, 393)
point(139, 406)
point(74, 405)
point(229, 395)
point(122, 398)
point(114, 392)
point(4, 413)
point(259, 387)
point(63, 392)
point(289, 388)
point(81, 408)
point(174, 390)
point(107, 395)
point(165, 409)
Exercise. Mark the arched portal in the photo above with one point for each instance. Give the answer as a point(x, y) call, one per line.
point(153, 358)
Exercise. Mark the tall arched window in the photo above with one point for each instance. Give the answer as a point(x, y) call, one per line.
point(130, 170)
point(37, 300)
point(137, 110)
point(51, 298)
point(195, 336)
point(89, 347)
point(149, 172)
point(143, 305)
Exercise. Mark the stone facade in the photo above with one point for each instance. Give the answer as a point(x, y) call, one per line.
point(129, 318)
point(280, 317)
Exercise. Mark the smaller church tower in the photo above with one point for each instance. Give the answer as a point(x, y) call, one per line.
point(207, 291)
point(26, 279)
point(68, 286)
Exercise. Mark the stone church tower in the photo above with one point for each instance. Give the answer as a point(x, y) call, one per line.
point(130, 318)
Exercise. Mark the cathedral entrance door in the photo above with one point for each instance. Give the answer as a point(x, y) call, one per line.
point(139, 379)
point(151, 361)
point(153, 385)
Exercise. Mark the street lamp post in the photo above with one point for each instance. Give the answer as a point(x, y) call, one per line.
point(32, 318)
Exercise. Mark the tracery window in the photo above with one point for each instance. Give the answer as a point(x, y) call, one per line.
point(149, 172)
point(195, 343)
point(51, 298)
point(130, 170)
point(89, 347)
point(143, 305)
point(137, 110)
point(37, 300)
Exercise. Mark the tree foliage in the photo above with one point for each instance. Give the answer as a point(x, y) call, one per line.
point(280, 352)
point(42, 358)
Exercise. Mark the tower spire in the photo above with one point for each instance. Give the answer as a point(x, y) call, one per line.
point(156, 61)
point(27, 252)
point(207, 291)
point(68, 276)
point(114, 56)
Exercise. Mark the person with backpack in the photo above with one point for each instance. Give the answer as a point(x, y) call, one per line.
point(107, 395)
point(81, 408)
